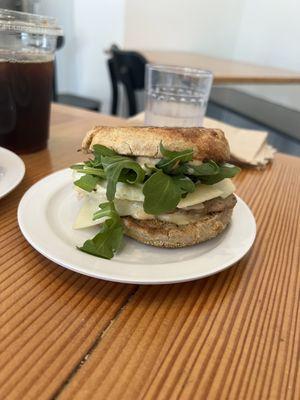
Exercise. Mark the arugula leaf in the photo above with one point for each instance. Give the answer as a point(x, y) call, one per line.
point(161, 193)
point(230, 170)
point(106, 210)
point(184, 155)
point(172, 159)
point(95, 163)
point(87, 182)
point(100, 150)
point(113, 166)
point(209, 172)
point(94, 167)
point(226, 171)
point(185, 184)
point(109, 239)
point(205, 169)
point(84, 169)
point(127, 176)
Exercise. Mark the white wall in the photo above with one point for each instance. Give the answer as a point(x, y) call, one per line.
point(265, 32)
point(207, 26)
point(90, 27)
point(269, 34)
point(64, 12)
point(98, 23)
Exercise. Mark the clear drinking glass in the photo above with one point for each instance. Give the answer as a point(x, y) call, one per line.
point(27, 46)
point(176, 96)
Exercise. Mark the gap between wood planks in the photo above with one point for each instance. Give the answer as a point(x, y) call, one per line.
point(97, 341)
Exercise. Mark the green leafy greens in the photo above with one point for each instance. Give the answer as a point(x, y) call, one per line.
point(118, 166)
point(225, 171)
point(87, 182)
point(110, 237)
point(171, 159)
point(161, 194)
point(164, 185)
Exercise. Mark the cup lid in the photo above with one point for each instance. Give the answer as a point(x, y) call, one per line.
point(19, 22)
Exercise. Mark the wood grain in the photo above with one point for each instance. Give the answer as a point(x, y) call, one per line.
point(234, 335)
point(50, 318)
point(225, 71)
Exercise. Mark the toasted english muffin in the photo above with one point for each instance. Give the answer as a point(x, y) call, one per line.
point(164, 234)
point(207, 144)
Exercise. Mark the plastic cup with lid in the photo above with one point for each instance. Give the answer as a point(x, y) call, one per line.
point(27, 49)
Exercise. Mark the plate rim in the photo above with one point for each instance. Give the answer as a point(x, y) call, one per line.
point(111, 277)
point(21, 166)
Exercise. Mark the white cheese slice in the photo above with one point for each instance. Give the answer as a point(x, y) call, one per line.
point(133, 208)
point(207, 192)
point(124, 207)
point(129, 201)
point(227, 187)
point(84, 218)
point(202, 193)
point(124, 191)
point(90, 205)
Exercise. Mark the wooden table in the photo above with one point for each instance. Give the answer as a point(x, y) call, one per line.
point(225, 71)
point(234, 335)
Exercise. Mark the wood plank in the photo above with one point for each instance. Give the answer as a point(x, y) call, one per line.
point(234, 335)
point(225, 71)
point(50, 317)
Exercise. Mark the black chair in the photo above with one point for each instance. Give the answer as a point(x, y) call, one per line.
point(68, 98)
point(127, 68)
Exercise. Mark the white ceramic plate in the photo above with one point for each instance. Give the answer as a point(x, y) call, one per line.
point(48, 209)
point(12, 170)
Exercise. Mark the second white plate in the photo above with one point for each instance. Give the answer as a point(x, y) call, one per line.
point(47, 212)
point(12, 170)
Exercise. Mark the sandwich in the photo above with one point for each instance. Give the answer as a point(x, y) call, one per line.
point(162, 186)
